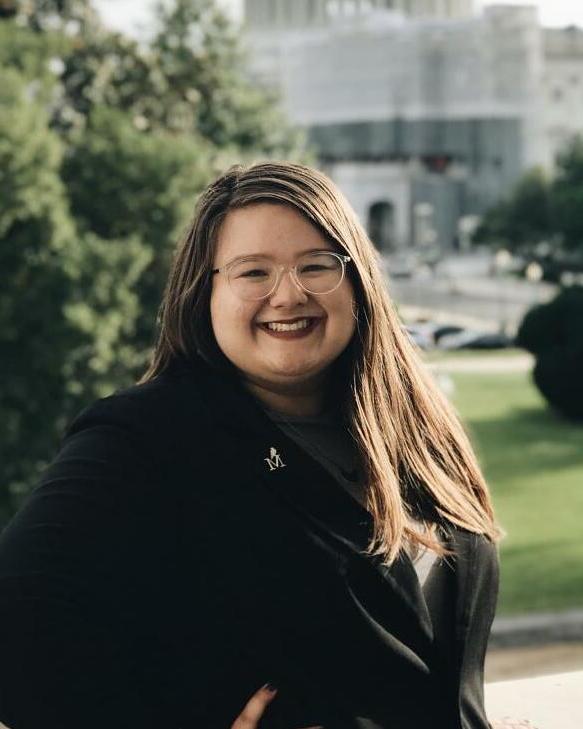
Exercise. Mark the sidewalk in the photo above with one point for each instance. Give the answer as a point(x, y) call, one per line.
point(506, 664)
point(537, 644)
point(484, 364)
point(546, 702)
point(534, 671)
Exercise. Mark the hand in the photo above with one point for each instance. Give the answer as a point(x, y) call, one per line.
point(255, 707)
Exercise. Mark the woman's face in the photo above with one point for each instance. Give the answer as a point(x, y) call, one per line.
point(285, 361)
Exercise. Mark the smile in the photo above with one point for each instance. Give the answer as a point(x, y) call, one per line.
point(295, 328)
point(277, 326)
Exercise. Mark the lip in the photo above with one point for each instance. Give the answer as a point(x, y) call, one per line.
point(287, 321)
point(296, 334)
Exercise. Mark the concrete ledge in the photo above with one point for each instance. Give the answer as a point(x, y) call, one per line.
point(537, 629)
point(546, 702)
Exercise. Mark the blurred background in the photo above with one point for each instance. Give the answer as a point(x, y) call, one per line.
point(455, 128)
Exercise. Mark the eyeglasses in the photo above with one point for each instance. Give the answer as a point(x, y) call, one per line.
point(256, 278)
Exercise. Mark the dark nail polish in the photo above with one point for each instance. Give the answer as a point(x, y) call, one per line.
point(270, 687)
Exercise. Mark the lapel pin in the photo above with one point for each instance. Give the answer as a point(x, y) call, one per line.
point(274, 460)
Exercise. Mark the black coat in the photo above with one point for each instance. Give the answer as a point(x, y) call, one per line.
point(181, 551)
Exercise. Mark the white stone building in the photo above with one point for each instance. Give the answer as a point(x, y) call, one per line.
point(423, 112)
point(562, 89)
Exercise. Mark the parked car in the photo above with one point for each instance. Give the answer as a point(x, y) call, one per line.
point(427, 334)
point(419, 336)
point(444, 330)
point(468, 339)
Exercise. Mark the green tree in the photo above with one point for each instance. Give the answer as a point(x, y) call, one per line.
point(69, 304)
point(190, 78)
point(567, 196)
point(146, 185)
point(35, 228)
point(522, 220)
point(103, 307)
point(36, 57)
point(104, 145)
point(146, 182)
point(199, 54)
point(43, 15)
point(553, 333)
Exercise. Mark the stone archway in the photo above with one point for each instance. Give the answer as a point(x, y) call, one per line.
point(381, 225)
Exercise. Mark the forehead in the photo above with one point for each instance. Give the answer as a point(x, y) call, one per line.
point(267, 229)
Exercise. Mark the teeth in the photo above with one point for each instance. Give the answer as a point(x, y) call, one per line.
point(279, 327)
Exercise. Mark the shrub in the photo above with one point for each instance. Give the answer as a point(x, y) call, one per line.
point(553, 332)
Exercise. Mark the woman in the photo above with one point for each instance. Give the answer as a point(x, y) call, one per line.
point(282, 523)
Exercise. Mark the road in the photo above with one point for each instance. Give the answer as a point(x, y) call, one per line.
point(504, 664)
point(465, 289)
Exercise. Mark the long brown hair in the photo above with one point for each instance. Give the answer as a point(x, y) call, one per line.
point(413, 447)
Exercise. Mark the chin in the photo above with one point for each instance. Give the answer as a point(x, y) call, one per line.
point(297, 370)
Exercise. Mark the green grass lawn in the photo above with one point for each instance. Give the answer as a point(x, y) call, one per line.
point(533, 461)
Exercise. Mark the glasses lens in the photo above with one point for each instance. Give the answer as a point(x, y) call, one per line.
point(252, 278)
point(320, 273)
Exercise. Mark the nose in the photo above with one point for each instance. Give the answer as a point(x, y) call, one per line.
point(287, 292)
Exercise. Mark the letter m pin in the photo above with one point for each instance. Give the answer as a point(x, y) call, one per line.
point(274, 461)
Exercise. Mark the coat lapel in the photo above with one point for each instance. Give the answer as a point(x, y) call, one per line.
point(329, 516)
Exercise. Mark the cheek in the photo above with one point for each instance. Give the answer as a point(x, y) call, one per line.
point(230, 318)
point(342, 313)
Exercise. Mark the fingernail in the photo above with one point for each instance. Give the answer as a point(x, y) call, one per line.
point(270, 687)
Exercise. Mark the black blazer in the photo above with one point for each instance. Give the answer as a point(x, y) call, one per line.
point(181, 551)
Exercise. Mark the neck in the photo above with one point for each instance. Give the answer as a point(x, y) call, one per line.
point(307, 401)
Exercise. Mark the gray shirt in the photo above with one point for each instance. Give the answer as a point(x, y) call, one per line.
point(328, 441)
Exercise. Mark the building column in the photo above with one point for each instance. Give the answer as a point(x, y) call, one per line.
point(321, 16)
point(265, 13)
point(281, 14)
point(293, 14)
point(252, 12)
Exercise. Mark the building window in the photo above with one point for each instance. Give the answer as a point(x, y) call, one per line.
point(437, 163)
point(381, 225)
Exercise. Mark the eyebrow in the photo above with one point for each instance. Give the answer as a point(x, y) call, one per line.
point(247, 256)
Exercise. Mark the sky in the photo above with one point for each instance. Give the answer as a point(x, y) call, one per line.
point(132, 16)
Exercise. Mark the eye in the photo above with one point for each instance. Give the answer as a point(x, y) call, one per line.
point(253, 273)
point(314, 268)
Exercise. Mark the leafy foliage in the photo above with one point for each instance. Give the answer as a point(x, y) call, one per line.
point(553, 333)
point(104, 145)
point(567, 197)
point(146, 183)
point(50, 15)
point(540, 210)
point(523, 219)
point(35, 230)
